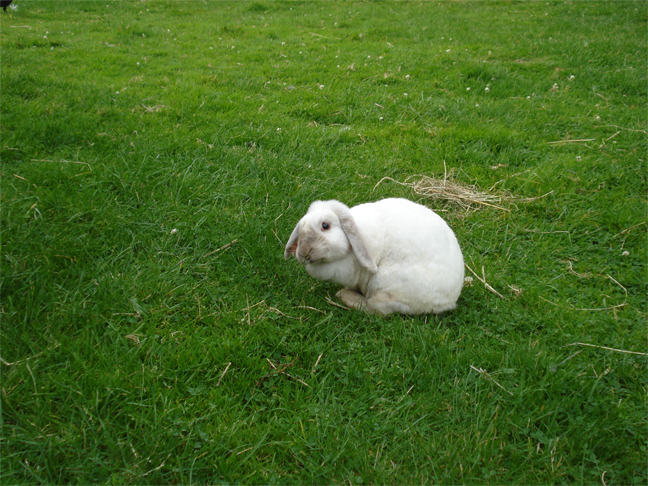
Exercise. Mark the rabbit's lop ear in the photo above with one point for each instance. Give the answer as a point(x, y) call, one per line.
point(350, 228)
point(291, 246)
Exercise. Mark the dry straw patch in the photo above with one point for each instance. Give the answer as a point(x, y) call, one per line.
point(467, 197)
point(449, 191)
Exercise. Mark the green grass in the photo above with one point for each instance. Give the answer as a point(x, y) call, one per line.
point(155, 157)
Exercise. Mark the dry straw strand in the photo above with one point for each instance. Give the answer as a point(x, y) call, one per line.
point(609, 349)
point(483, 280)
point(485, 373)
point(223, 374)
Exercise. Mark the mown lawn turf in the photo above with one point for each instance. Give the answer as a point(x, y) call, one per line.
point(157, 154)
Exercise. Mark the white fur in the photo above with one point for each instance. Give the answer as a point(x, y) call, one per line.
point(391, 256)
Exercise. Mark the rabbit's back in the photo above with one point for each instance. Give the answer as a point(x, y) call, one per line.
point(419, 259)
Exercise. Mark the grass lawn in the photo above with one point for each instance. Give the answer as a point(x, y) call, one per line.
point(156, 156)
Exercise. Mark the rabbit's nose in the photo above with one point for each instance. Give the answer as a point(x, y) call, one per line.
point(303, 252)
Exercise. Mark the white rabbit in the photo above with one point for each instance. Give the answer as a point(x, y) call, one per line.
point(391, 256)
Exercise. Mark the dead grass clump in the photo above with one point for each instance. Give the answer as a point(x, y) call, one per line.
point(467, 197)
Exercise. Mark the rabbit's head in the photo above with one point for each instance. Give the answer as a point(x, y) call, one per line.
point(326, 234)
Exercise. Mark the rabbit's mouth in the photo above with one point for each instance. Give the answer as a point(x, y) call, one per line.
point(309, 259)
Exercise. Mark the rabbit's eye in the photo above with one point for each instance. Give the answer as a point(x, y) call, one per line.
point(326, 226)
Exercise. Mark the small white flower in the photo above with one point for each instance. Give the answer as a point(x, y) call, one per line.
point(174, 231)
point(116, 92)
point(597, 117)
point(143, 35)
point(368, 57)
point(380, 118)
point(468, 281)
point(321, 86)
point(477, 104)
point(283, 43)
point(233, 47)
point(447, 50)
point(625, 253)
point(407, 76)
point(554, 87)
point(487, 89)
point(405, 95)
point(44, 37)
point(279, 130)
point(138, 63)
point(572, 77)
point(468, 88)
point(528, 97)
point(578, 158)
